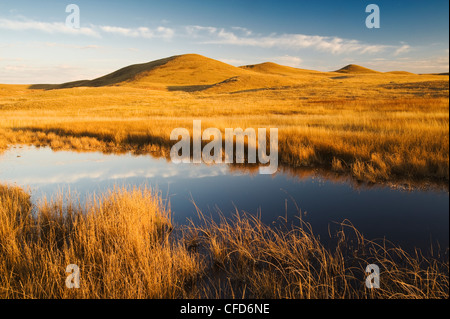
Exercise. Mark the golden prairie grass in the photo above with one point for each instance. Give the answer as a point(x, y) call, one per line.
point(120, 239)
point(374, 141)
point(376, 127)
point(126, 247)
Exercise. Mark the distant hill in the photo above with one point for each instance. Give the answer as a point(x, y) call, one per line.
point(193, 72)
point(400, 73)
point(273, 68)
point(125, 74)
point(444, 73)
point(355, 69)
point(190, 72)
point(189, 69)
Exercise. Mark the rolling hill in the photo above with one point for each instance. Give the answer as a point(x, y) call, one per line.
point(356, 69)
point(277, 69)
point(123, 75)
point(190, 72)
point(400, 73)
point(189, 69)
point(193, 72)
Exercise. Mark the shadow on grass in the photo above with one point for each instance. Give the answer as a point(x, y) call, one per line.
point(127, 142)
point(189, 88)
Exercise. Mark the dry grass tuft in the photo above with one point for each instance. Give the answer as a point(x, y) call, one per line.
point(119, 240)
point(125, 245)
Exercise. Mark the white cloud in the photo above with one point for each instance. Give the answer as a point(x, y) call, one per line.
point(238, 36)
point(330, 44)
point(244, 37)
point(232, 61)
point(47, 27)
point(93, 30)
point(195, 31)
point(72, 46)
point(165, 32)
point(244, 31)
point(141, 32)
point(403, 49)
point(288, 60)
point(122, 31)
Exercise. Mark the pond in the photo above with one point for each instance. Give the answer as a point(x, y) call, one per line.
point(407, 218)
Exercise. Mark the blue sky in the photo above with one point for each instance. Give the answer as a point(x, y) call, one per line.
point(37, 47)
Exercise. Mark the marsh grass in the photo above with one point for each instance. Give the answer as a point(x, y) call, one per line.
point(119, 240)
point(376, 127)
point(127, 247)
point(377, 136)
point(377, 143)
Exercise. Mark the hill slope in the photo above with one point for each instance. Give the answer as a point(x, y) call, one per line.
point(190, 72)
point(189, 69)
point(355, 69)
point(125, 74)
point(273, 68)
point(193, 72)
point(400, 73)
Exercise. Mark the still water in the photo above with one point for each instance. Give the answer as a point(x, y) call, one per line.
point(407, 218)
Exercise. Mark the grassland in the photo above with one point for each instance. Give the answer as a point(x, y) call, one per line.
point(126, 247)
point(377, 127)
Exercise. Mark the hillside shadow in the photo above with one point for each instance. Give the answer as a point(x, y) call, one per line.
point(189, 88)
point(341, 77)
point(67, 85)
point(435, 89)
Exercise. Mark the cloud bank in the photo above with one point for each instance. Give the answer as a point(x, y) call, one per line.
point(235, 36)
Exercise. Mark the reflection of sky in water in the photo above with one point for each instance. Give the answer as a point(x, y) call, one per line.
point(42, 167)
point(408, 218)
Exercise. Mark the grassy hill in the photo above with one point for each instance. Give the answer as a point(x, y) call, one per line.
point(188, 69)
point(190, 73)
point(356, 69)
point(195, 73)
point(273, 68)
point(400, 73)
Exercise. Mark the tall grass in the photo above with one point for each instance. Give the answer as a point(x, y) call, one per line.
point(361, 127)
point(119, 240)
point(126, 246)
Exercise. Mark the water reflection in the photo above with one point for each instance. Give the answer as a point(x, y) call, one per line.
point(416, 218)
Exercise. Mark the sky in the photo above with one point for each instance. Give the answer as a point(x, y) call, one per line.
point(36, 45)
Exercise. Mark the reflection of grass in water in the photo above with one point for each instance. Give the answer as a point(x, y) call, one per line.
point(125, 247)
